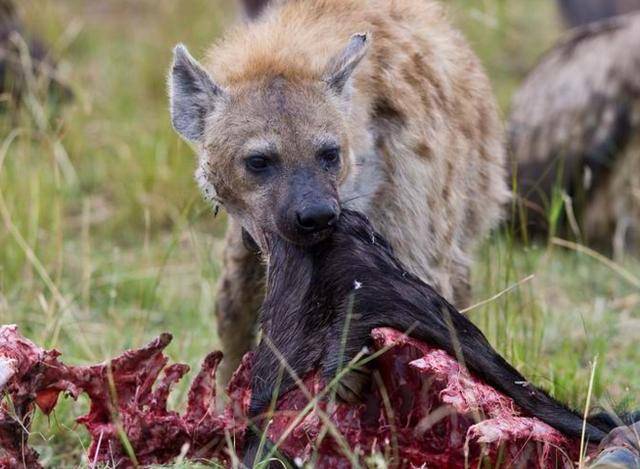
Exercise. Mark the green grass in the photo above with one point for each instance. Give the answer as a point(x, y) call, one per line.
point(105, 241)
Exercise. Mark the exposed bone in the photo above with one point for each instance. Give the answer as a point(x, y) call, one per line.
point(435, 413)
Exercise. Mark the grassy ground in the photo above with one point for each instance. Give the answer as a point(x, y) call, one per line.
point(105, 242)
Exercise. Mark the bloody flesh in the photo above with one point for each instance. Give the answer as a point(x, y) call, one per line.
point(426, 409)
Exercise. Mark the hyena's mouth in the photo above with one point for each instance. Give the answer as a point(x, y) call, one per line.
point(306, 239)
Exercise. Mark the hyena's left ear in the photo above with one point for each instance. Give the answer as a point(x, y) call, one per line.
point(193, 95)
point(340, 67)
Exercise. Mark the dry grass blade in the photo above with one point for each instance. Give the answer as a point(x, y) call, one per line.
point(617, 268)
point(499, 294)
point(587, 406)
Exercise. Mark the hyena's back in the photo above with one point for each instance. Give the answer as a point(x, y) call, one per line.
point(423, 124)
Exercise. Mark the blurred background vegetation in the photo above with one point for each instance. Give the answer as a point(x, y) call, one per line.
point(105, 241)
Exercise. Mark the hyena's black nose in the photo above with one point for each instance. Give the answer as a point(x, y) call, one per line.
point(316, 218)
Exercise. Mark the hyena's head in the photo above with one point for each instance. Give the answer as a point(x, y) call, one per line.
point(272, 150)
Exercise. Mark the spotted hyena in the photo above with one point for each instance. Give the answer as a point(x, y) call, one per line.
point(310, 106)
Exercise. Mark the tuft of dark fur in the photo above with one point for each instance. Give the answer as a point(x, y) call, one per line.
point(253, 8)
point(312, 290)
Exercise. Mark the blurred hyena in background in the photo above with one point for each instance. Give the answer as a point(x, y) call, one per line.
point(574, 130)
point(26, 65)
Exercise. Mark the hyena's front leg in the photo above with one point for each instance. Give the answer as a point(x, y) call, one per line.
point(462, 292)
point(240, 293)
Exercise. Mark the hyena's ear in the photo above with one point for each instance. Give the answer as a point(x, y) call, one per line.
point(340, 67)
point(192, 94)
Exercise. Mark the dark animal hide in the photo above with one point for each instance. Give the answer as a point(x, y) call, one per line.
point(323, 302)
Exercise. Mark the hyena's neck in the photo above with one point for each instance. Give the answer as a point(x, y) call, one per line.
point(367, 177)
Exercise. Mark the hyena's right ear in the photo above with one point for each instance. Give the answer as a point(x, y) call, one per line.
point(340, 67)
point(192, 94)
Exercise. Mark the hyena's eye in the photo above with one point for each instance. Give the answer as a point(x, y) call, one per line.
point(258, 163)
point(329, 156)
